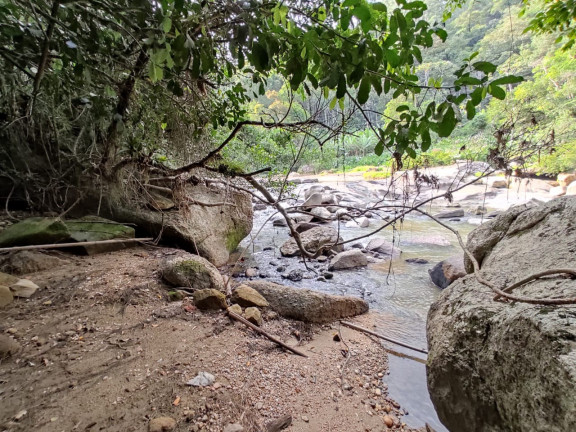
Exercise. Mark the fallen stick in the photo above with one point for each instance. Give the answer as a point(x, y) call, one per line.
point(362, 329)
point(67, 245)
point(262, 332)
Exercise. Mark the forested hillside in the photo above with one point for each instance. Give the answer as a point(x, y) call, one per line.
point(535, 120)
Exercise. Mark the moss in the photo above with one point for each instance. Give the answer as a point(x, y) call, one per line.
point(34, 231)
point(190, 267)
point(234, 237)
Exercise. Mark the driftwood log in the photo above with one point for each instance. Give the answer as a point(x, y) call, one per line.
point(262, 332)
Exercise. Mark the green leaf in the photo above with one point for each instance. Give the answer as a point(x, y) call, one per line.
point(333, 103)
point(442, 34)
point(166, 24)
point(364, 91)
point(411, 152)
point(510, 79)
point(485, 67)
point(259, 57)
point(447, 124)
point(426, 139)
point(341, 90)
point(362, 12)
point(470, 110)
point(402, 108)
point(379, 149)
point(497, 92)
point(380, 7)
point(476, 96)
point(393, 58)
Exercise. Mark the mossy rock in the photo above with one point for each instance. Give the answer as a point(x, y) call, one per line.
point(34, 231)
point(209, 299)
point(192, 271)
point(92, 228)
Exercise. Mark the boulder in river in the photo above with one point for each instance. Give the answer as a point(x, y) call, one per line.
point(447, 271)
point(383, 246)
point(307, 305)
point(312, 240)
point(321, 215)
point(448, 214)
point(192, 271)
point(496, 366)
point(348, 259)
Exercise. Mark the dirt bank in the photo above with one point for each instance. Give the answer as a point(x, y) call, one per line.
point(103, 348)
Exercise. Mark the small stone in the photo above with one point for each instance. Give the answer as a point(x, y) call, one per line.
point(6, 296)
point(253, 315)
point(24, 288)
point(203, 379)
point(209, 299)
point(8, 346)
point(233, 427)
point(251, 272)
point(388, 421)
point(236, 308)
point(378, 392)
point(20, 415)
point(328, 275)
point(295, 275)
point(322, 258)
point(162, 424)
point(246, 296)
point(281, 269)
point(259, 406)
point(305, 419)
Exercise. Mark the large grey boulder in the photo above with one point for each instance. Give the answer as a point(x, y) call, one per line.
point(383, 246)
point(192, 271)
point(498, 366)
point(34, 231)
point(212, 231)
point(313, 240)
point(307, 305)
point(348, 259)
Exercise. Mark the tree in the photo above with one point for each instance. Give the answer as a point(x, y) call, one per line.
point(91, 88)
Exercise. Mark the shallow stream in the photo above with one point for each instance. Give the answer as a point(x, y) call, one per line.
point(400, 292)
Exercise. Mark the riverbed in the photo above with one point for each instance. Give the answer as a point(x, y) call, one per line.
point(400, 292)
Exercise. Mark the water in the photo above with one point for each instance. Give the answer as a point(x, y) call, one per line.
point(400, 292)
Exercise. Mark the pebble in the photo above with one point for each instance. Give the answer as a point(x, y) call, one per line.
point(305, 419)
point(251, 272)
point(162, 424)
point(388, 421)
point(233, 427)
point(203, 379)
point(378, 392)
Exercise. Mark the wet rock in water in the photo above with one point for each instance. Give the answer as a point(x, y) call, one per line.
point(348, 259)
point(416, 261)
point(313, 200)
point(509, 366)
point(312, 190)
point(322, 258)
point(34, 231)
point(8, 346)
point(384, 247)
point(209, 299)
point(193, 271)
point(279, 221)
point(447, 271)
point(203, 379)
point(246, 296)
point(449, 214)
point(307, 305)
point(479, 210)
point(162, 424)
point(357, 246)
point(251, 272)
point(498, 182)
point(23, 262)
point(259, 207)
point(6, 296)
point(435, 240)
point(281, 269)
point(253, 315)
point(312, 240)
point(363, 222)
point(571, 189)
point(294, 275)
point(305, 226)
point(328, 275)
point(233, 427)
point(564, 179)
point(321, 215)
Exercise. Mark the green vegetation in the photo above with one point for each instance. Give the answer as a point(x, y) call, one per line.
point(101, 93)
